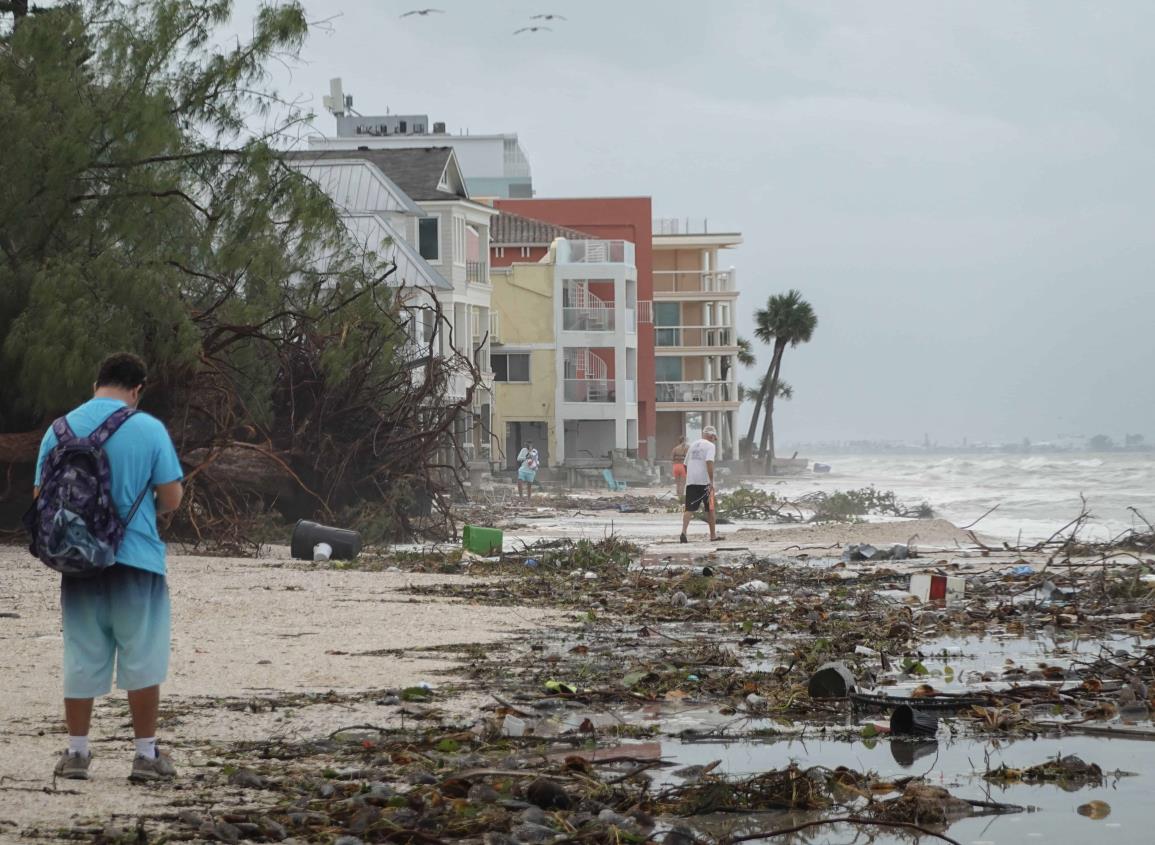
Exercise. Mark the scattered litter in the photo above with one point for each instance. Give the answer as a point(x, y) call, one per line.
point(755, 587)
point(928, 587)
point(907, 721)
point(834, 680)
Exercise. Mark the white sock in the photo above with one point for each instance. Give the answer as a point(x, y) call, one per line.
point(146, 748)
point(78, 746)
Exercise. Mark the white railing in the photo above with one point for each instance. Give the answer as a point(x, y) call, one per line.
point(696, 336)
point(694, 281)
point(595, 252)
point(590, 390)
point(680, 226)
point(697, 391)
point(597, 319)
point(476, 271)
point(631, 321)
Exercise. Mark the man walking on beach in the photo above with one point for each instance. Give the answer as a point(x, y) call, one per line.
point(700, 481)
point(121, 614)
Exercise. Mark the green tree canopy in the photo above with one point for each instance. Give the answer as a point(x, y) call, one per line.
point(139, 211)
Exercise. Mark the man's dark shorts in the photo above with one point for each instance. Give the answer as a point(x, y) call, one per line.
point(697, 496)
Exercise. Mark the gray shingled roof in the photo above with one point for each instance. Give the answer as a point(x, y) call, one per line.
point(513, 229)
point(415, 171)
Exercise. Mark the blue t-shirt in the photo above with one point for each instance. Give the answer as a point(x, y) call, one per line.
point(140, 454)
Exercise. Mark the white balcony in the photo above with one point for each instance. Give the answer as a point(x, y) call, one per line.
point(590, 390)
point(631, 391)
point(696, 391)
point(477, 272)
point(696, 337)
point(595, 252)
point(597, 319)
point(631, 321)
point(694, 281)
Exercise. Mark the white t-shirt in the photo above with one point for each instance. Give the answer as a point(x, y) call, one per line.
point(700, 452)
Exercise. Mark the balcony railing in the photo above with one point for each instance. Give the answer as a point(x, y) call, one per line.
point(595, 252)
point(631, 321)
point(476, 271)
point(696, 336)
point(694, 281)
point(590, 390)
point(600, 319)
point(697, 391)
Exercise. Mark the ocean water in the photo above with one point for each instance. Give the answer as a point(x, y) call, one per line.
point(1036, 494)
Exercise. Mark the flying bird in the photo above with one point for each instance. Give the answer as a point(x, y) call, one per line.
point(549, 18)
point(532, 29)
point(424, 12)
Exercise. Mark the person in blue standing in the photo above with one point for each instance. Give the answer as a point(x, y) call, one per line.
point(527, 464)
point(121, 616)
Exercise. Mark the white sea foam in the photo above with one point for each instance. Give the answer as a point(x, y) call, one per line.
point(1036, 494)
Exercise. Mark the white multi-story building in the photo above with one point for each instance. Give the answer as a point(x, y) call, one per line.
point(495, 165)
point(413, 207)
point(596, 326)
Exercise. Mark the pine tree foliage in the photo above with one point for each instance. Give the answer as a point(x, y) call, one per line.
point(139, 210)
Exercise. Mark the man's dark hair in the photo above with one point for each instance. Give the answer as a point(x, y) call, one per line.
point(123, 370)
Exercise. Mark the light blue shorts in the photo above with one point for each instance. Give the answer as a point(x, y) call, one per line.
point(526, 475)
point(121, 615)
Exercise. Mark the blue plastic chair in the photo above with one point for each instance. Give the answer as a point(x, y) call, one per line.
point(611, 482)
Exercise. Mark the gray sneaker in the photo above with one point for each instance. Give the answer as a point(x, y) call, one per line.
point(146, 771)
point(72, 766)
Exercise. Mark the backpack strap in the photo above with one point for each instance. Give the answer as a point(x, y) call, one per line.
point(136, 504)
point(110, 426)
point(63, 430)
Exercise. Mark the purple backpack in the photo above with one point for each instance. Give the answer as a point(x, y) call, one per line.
point(73, 523)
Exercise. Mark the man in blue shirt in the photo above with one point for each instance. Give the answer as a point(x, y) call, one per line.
point(121, 615)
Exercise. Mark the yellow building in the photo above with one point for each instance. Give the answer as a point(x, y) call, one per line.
point(523, 348)
point(565, 345)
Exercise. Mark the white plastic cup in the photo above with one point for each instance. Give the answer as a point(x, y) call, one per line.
point(322, 552)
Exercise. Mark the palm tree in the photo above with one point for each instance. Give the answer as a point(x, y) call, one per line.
point(745, 352)
point(787, 320)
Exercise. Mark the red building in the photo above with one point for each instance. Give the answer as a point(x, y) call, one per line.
point(609, 218)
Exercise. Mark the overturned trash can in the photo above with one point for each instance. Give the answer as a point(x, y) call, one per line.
point(342, 543)
point(906, 721)
point(833, 680)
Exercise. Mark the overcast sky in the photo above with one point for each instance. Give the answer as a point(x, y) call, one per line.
point(963, 190)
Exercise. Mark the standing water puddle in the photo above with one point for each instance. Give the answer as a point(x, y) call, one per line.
point(957, 765)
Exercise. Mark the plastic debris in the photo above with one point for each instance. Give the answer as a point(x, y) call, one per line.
point(928, 587)
point(755, 587)
point(833, 680)
point(907, 721)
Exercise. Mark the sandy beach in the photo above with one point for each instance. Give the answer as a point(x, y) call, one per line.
point(244, 630)
point(275, 652)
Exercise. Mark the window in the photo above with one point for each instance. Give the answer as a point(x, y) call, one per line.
point(510, 366)
point(667, 313)
point(429, 238)
point(668, 368)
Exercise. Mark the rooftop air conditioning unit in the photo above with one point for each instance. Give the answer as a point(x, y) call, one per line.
point(439, 128)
